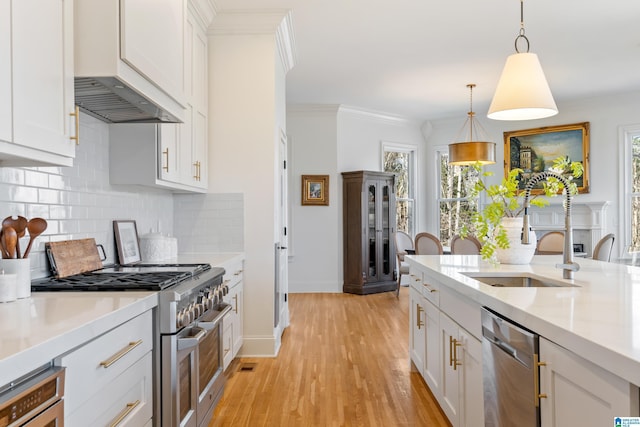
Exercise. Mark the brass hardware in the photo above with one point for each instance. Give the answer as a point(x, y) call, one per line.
point(237, 273)
point(125, 412)
point(536, 380)
point(166, 153)
point(196, 169)
point(419, 323)
point(450, 350)
point(235, 299)
point(119, 355)
point(225, 351)
point(456, 362)
point(76, 114)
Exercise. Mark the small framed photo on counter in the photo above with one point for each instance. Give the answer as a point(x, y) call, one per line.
point(127, 244)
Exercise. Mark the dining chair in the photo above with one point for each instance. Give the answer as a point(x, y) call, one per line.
point(602, 250)
point(404, 243)
point(465, 246)
point(551, 243)
point(428, 244)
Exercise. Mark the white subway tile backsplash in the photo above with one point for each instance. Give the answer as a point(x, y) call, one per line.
point(79, 202)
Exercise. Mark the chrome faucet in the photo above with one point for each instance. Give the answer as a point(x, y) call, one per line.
point(568, 266)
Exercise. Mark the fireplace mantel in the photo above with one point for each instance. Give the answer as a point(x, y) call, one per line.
point(588, 220)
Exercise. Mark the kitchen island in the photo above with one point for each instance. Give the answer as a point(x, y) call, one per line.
point(595, 316)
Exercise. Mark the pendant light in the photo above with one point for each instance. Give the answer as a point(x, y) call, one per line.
point(522, 92)
point(470, 152)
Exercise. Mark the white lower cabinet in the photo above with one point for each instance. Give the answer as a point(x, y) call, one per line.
point(417, 337)
point(233, 330)
point(109, 380)
point(445, 353)
point(579, 393)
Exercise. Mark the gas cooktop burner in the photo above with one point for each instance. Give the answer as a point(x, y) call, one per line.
point(142, 277)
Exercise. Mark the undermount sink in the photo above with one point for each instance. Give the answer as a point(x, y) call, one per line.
point(517, 281)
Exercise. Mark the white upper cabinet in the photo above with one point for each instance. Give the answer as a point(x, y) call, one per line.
point(5, 72)
point(36, 52)
point(131, 52)
point(152, 41)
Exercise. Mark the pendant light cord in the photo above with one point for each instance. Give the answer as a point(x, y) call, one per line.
point(521, 35)
point(471, 113)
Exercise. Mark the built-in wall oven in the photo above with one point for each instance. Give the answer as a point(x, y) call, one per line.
point(35, 400)
point(189, 380)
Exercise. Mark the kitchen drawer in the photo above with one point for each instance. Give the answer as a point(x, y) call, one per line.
point(233, 273)
point(86, 375)
point(431, 291)
point(129, 397)
point(463, 310)
point(415, 280)
point(227, 341)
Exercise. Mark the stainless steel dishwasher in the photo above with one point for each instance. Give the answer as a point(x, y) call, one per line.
point(510, 373)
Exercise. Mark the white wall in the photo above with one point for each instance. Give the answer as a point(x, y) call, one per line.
point(330, 140)
point(315, 264)
point(605, 114)
point(245, 80)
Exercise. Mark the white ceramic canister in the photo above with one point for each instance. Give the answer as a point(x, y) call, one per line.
point(21, 267)
point(154, 248)
point(7, 287)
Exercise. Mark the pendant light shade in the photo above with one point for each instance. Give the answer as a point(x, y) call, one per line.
point(471, 152)
point(523, 92)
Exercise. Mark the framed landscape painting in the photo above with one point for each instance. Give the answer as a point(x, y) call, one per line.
point(534, 150)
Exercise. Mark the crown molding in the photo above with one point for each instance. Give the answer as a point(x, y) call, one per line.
point(204, 10)
point(277, 22)
point(377, 115)
point(305, 109)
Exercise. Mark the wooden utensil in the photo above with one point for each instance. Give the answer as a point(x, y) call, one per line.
point(36, 227)
point(3, 249)
point(20, 225)
point(10, 238)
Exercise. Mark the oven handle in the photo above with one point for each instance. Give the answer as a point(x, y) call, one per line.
point(213, 323)
point(191, 341)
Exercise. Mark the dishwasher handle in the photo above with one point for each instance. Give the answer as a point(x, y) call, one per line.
point(503, 345)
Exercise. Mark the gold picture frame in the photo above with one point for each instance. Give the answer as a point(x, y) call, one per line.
point(315, 190)
point(534, 150)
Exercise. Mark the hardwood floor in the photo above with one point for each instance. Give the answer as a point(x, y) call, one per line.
point(344, 361)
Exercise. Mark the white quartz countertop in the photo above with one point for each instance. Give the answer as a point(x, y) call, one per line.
point(598, 318)
point(35, 330)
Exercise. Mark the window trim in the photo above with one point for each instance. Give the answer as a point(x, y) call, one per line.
point(625, 135)
point(413, 150)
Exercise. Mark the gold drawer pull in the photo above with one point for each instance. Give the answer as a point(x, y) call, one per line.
point(235, 299)
point(226, 350)
point(125, 412)
point(419, 311)
point(76, 115)
point(119, 355)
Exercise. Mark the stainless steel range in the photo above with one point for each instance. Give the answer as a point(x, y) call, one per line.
point(189, 331)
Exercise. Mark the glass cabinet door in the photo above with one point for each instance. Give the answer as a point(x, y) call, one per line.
point(386, 230)
point(372, 220)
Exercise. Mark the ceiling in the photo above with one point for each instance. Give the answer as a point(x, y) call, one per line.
point(414, 58)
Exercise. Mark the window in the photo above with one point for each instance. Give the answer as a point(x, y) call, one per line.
point(401, 161)
point(630, 138)
point(455, 208)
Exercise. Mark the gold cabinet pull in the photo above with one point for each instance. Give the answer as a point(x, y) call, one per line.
point(125, 412)
point(456, 362)
point(235, 299)
point(195, 170)
point(165, 153)
point(450, 350)
point(76, 115)
point(419, 323)
point(536, 380)
point(119, 355)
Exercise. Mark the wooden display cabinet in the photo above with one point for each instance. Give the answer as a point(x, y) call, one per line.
point(369, 221)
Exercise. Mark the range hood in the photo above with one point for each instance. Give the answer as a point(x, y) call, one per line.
point(129, 68)
point(111, 100)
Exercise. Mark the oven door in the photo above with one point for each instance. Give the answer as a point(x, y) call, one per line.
point(210, 375)
point(180, 377)
point(52, 417)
